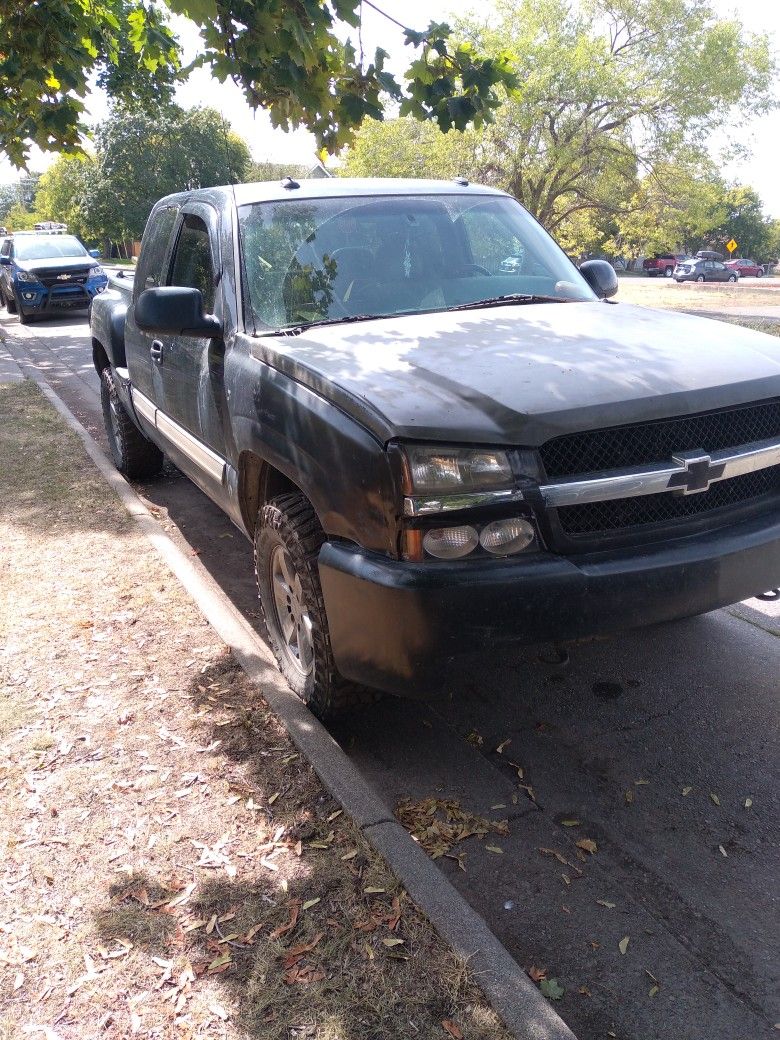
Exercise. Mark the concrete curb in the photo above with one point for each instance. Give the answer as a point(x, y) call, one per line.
point(513, 996)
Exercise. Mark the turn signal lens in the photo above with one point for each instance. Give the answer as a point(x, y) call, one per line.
point(505, 537)
point(450, 543)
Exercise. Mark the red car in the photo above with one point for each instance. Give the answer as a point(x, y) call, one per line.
point(746, 267)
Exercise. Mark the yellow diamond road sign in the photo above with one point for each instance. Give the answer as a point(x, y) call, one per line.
point(731, 246)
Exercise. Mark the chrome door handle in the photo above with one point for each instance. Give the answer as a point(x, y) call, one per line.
point(156, 350)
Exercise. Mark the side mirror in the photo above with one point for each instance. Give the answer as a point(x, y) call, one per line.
point(601, 277)
point(175, 310)
point(95, 253)
point(5, 261)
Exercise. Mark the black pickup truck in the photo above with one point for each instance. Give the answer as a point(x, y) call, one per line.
point(435, 452)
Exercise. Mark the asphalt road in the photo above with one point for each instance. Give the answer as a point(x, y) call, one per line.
point(661, 743)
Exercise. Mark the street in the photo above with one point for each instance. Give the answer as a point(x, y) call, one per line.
point(656, 750)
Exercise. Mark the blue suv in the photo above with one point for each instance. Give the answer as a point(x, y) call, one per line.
point(41, 274)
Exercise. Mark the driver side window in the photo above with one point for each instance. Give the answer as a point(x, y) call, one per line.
point(192, 265)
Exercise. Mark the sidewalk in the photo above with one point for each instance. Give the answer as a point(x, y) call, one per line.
point(9, 370)
point(172, 865)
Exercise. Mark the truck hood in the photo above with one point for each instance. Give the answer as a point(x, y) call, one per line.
point(523, 374)
point(57, 263)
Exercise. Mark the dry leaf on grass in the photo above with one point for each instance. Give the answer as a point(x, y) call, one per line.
point(450, 1027)
point(295, 909)
point(536, 974)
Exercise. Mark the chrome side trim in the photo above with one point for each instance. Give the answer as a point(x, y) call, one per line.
point(144, 406)
point(197, 452)
point(686, 474)
point(447, 503)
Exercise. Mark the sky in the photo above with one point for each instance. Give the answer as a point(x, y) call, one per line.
point(761, 136)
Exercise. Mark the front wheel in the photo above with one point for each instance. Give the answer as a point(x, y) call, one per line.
point(759, 273)
point(10, 302)
point(288, 539)
point(732, 278)
point(700, 278)
point(668, 272)
point(134, 455)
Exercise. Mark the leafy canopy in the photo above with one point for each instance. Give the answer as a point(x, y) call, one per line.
point(289, 58)
point(109, 195)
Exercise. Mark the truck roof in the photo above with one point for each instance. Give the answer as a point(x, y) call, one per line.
point(335, 187)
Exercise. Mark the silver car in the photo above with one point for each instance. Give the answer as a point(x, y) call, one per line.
point(696, 269)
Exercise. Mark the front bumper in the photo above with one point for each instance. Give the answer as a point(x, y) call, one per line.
point(400, 626)
point(35, 298)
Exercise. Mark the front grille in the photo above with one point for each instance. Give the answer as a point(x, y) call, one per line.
point(51, 278)
point(654, 442)
point(620, 513)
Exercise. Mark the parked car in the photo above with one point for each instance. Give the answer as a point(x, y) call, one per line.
point(699, 270)
point(432, 456)
point(745, 267)
point(709, 254)
point(41, 274)
point(660, 264)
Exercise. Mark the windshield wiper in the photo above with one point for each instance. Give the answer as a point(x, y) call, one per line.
point(296, 330)
point(499, 301)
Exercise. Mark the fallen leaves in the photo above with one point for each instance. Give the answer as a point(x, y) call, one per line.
point(714, 798)
point(450, 1027)
point(438, 824)
point(536, 974)
point(551, 989)
point(623, 944)
point(587, 845)
point(606, 903)
point(282, 929)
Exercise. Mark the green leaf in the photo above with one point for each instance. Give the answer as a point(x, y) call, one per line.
point(551, 989)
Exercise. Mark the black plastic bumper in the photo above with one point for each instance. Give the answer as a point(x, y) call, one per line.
point(398, 626)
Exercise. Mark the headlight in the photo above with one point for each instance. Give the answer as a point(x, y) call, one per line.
point(96, 271)
point(26, 276)
point(431, 470)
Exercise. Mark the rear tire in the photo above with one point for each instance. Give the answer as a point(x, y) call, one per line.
point(732, 278)
point(699, 277)
point(134, 455)
point(668, 272)
point(288, 539)
point(759, 273)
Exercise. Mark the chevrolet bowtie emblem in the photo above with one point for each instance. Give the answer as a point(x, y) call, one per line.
point(697, 475)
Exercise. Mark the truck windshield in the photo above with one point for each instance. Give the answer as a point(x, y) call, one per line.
point(45, 247)
point(307, 261)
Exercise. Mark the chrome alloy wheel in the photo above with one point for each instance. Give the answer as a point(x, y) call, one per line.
point(292, 616)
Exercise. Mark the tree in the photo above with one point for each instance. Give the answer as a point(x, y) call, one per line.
point(408, 148)
point(745, 222)
point(141, 157)
point(62, 194)
point(616, 86)
point(676, 206)
point(290, 58)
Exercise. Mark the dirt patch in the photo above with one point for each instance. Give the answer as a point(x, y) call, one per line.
point(171, 866)
point(667, 294)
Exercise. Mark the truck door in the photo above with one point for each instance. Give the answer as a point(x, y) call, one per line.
point(151, 271)
point(192, 369)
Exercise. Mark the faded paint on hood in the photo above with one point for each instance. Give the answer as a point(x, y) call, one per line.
point(523, 374)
